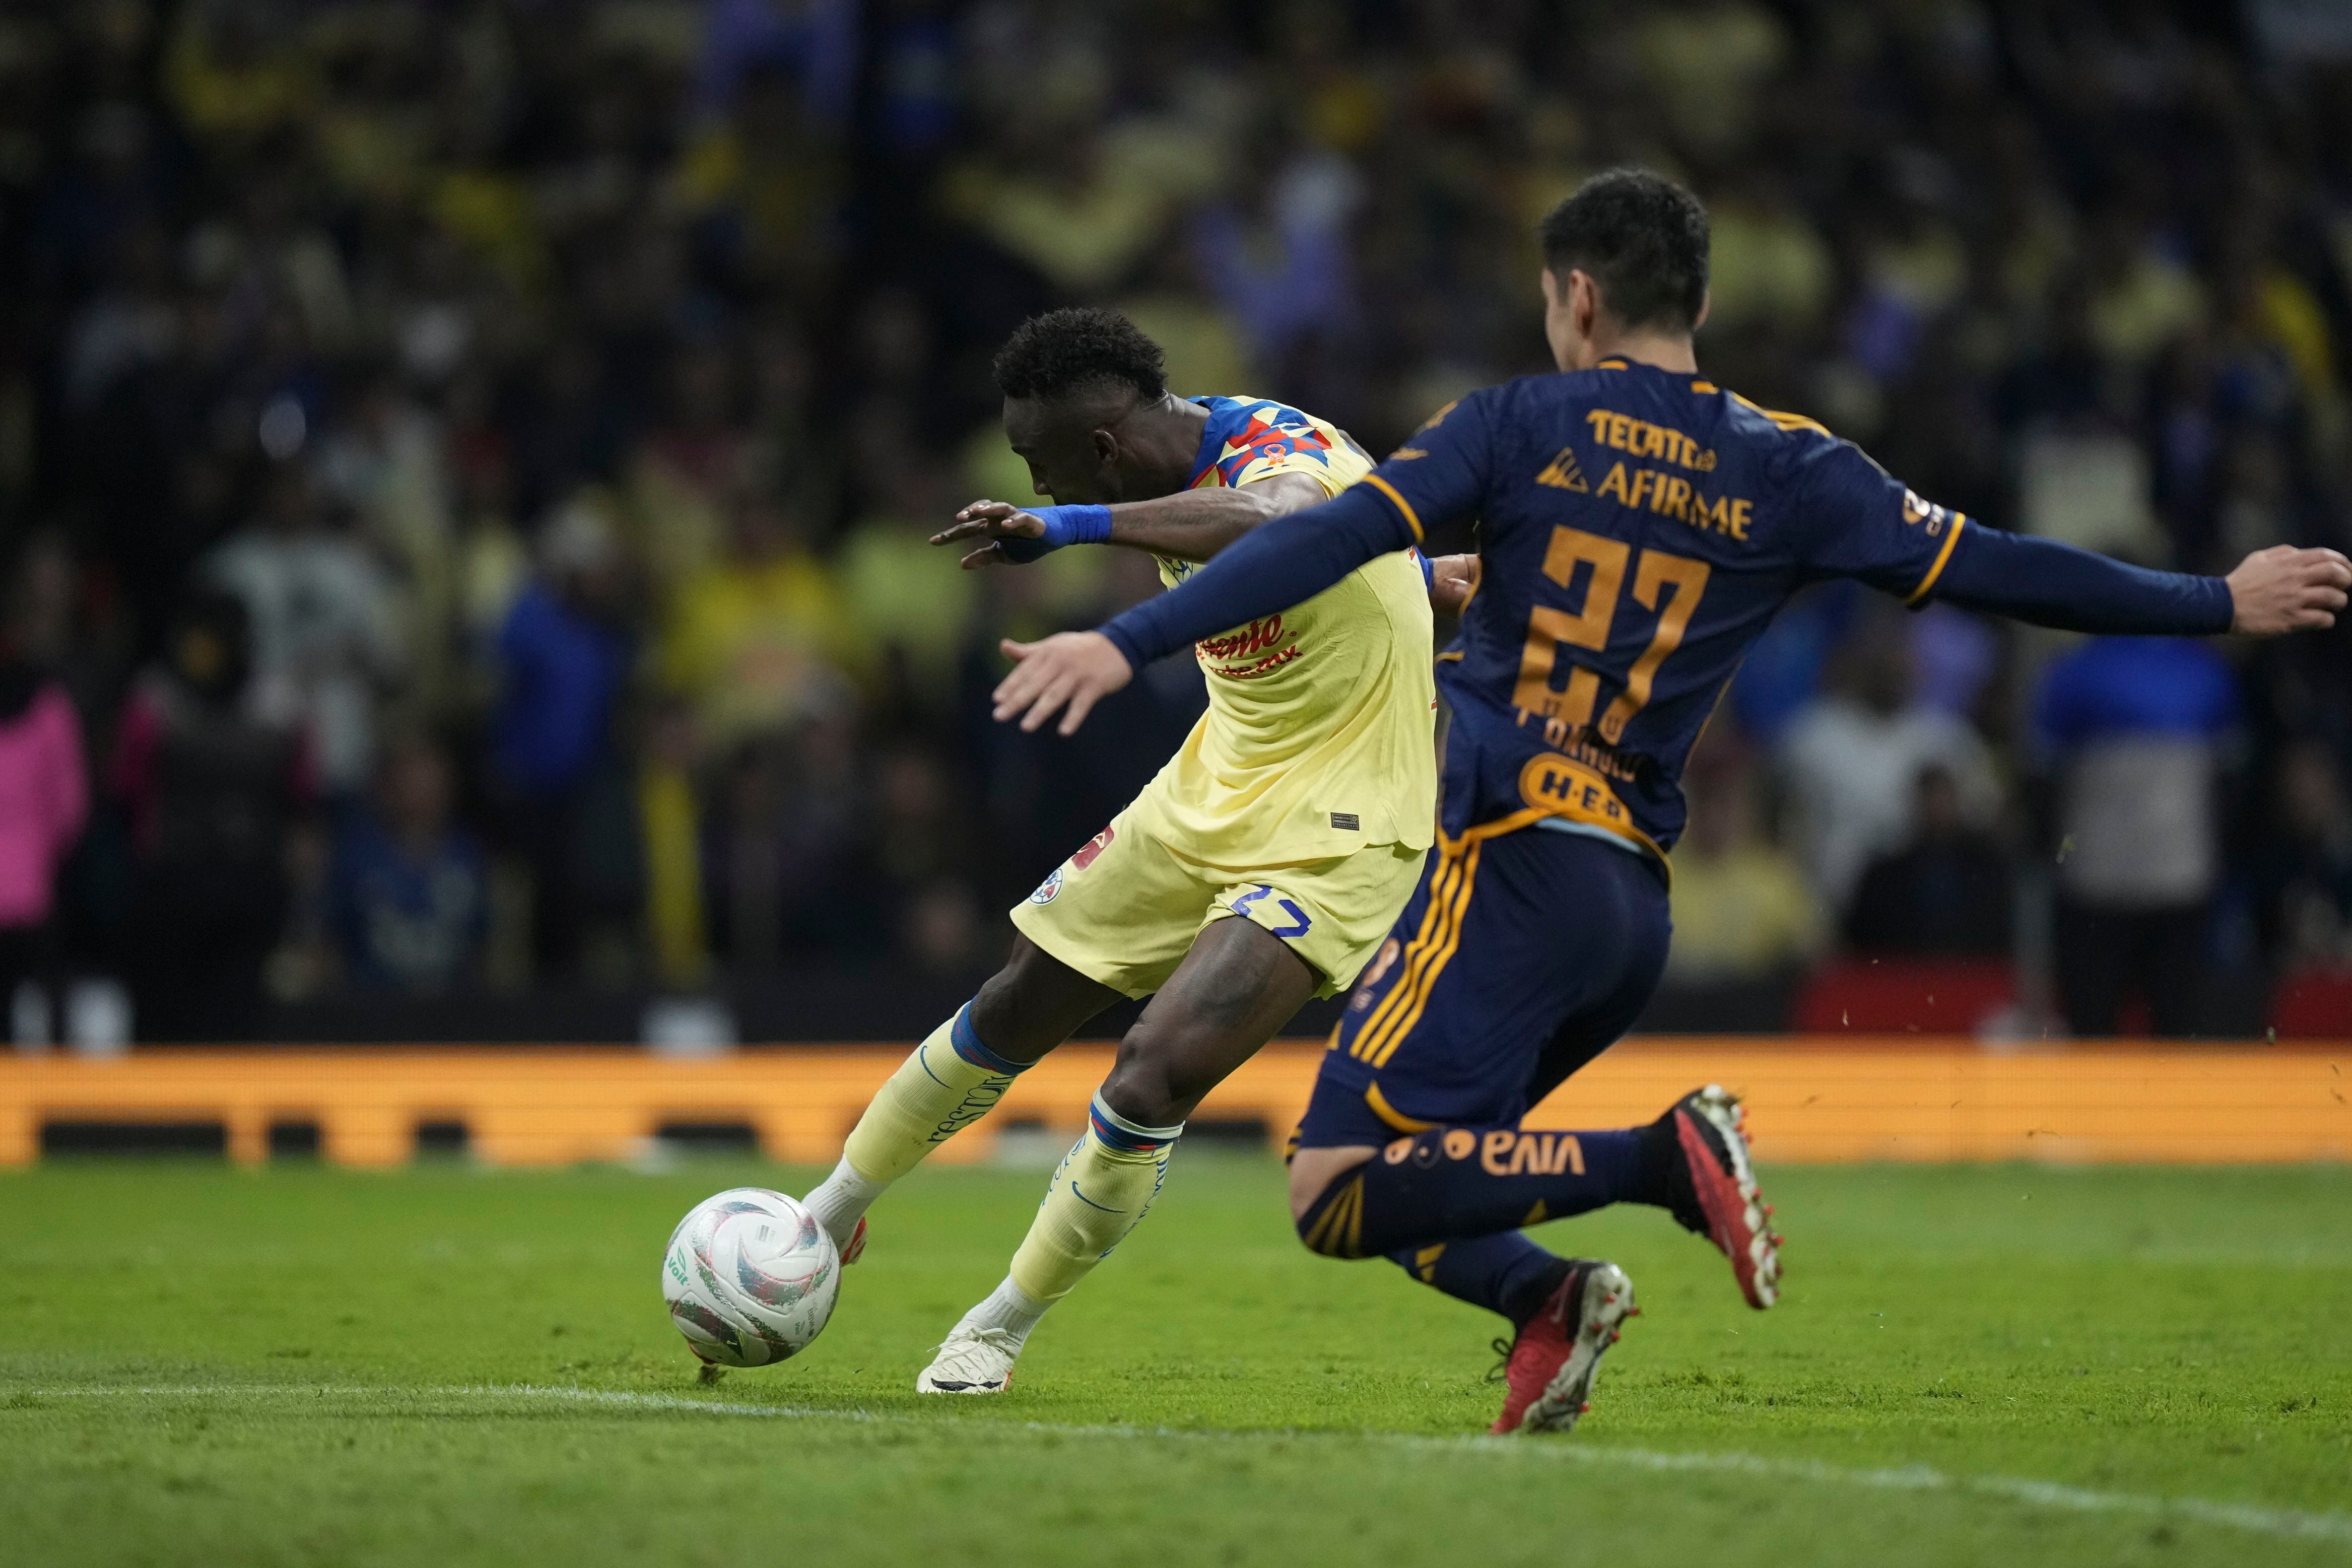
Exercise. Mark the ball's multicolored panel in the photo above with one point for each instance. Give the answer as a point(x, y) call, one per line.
point(750, 1277)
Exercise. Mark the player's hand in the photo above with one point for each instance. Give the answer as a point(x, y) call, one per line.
point(1453, 578)
point(2283, 588)
point(989, 521)
point(1070, 669)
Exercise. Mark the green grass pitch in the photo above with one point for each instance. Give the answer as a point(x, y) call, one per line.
point(444, 1366)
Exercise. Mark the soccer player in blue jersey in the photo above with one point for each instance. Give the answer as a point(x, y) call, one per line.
point(1638, 528)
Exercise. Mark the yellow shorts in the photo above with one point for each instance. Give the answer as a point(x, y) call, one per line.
point(1124, 910)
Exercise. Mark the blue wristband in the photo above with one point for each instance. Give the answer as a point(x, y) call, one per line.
point(1064, 526)
point(1073, 524)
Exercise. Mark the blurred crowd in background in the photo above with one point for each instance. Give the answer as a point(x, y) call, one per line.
point(466, 464)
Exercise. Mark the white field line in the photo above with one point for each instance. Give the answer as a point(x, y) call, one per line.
point(2288, 1522)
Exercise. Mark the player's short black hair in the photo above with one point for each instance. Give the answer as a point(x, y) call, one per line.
point(1642, 237)
point(1063, 352)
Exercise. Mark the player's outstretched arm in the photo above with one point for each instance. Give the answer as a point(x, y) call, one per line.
point(1191, 525)
point(1283, 563)
point(2046, 583)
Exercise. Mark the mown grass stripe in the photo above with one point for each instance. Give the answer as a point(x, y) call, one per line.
point(2253, 1518)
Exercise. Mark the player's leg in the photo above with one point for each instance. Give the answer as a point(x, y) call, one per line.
point(952, 1078)
point(1506, 1273)
point(1495, 1000)
point(1265, 949)
point(1099, 929)
point(1236, 986)
point(1508, 939)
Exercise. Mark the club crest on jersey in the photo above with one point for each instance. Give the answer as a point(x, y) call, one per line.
point(1049, 889)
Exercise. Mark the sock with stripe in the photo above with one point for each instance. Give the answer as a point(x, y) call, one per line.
point(1449, 1183)
point(949, 1081)
point(1102, 1191)
point(1503, 1273)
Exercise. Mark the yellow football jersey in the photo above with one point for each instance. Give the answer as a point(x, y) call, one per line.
point(1319, 735)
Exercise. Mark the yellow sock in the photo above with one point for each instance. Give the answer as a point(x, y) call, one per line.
point(1102, 1191)
point(949, 1083)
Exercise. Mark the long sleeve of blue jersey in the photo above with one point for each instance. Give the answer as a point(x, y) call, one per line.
point(1860, 522)
point(1433, 479)
point(2052, 584)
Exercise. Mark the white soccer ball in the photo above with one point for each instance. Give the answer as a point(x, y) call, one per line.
point(750, 1277)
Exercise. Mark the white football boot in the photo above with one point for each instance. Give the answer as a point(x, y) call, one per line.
point(972, 1361)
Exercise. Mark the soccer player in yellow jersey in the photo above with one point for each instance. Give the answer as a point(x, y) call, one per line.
point(1262, 865)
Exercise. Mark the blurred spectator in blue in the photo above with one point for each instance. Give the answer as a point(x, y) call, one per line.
point(1274, 252)
point(408, 894)
point(814, 41)
point(2133, 730)
point(1944, 895)
point(2304, 874)
point(564, 655)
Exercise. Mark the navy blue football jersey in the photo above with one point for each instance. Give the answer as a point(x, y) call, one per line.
point(1638, 528)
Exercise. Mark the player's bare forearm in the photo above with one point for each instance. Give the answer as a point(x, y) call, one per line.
point(1194, 525)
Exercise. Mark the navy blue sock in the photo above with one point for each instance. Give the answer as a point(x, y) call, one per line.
point(1449, 1183)
point(1506, 1273)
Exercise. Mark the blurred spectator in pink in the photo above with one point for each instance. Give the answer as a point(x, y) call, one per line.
point(1944, 895)
point(2134, 728)
point(44, 800)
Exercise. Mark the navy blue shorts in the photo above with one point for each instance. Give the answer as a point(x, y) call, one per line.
point(1521, 957)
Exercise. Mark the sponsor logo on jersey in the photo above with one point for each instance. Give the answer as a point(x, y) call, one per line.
point(1093, 847)
point(1459, 1142)
point(1640, 438)
point(1506, 1153)
point(1562, 474)
point(1254, 638)
point(1551, 783)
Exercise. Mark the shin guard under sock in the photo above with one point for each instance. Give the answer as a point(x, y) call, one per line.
point(1448, 1183)
point(1102, 1191)
point(949, 1081)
